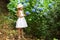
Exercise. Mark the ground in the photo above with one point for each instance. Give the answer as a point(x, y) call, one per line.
point(7, 34)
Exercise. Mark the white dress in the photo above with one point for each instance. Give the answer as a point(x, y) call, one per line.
point(21, 22)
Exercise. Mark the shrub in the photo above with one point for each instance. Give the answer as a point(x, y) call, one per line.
point(41, 16)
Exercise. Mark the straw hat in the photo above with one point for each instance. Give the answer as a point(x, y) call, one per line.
point(19, 5)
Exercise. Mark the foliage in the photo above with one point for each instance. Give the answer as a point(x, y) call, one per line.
point(41, 16)
point(5, 22)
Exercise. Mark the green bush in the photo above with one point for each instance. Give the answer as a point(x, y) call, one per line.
point(41, 16)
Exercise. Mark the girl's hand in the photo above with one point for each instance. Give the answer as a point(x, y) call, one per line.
point(24, 14)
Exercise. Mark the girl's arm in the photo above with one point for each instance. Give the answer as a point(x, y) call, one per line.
point(18, 14)
point(24, 13)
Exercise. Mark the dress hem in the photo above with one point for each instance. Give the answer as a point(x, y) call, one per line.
point(20, 27)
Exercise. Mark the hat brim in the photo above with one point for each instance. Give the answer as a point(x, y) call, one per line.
point(19, 6)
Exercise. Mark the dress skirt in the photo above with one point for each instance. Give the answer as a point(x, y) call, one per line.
point(21, 23)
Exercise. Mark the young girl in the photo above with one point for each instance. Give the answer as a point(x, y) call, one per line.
point(21, 22)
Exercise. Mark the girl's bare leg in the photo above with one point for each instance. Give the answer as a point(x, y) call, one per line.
point(22, 34)
point(19, 33)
